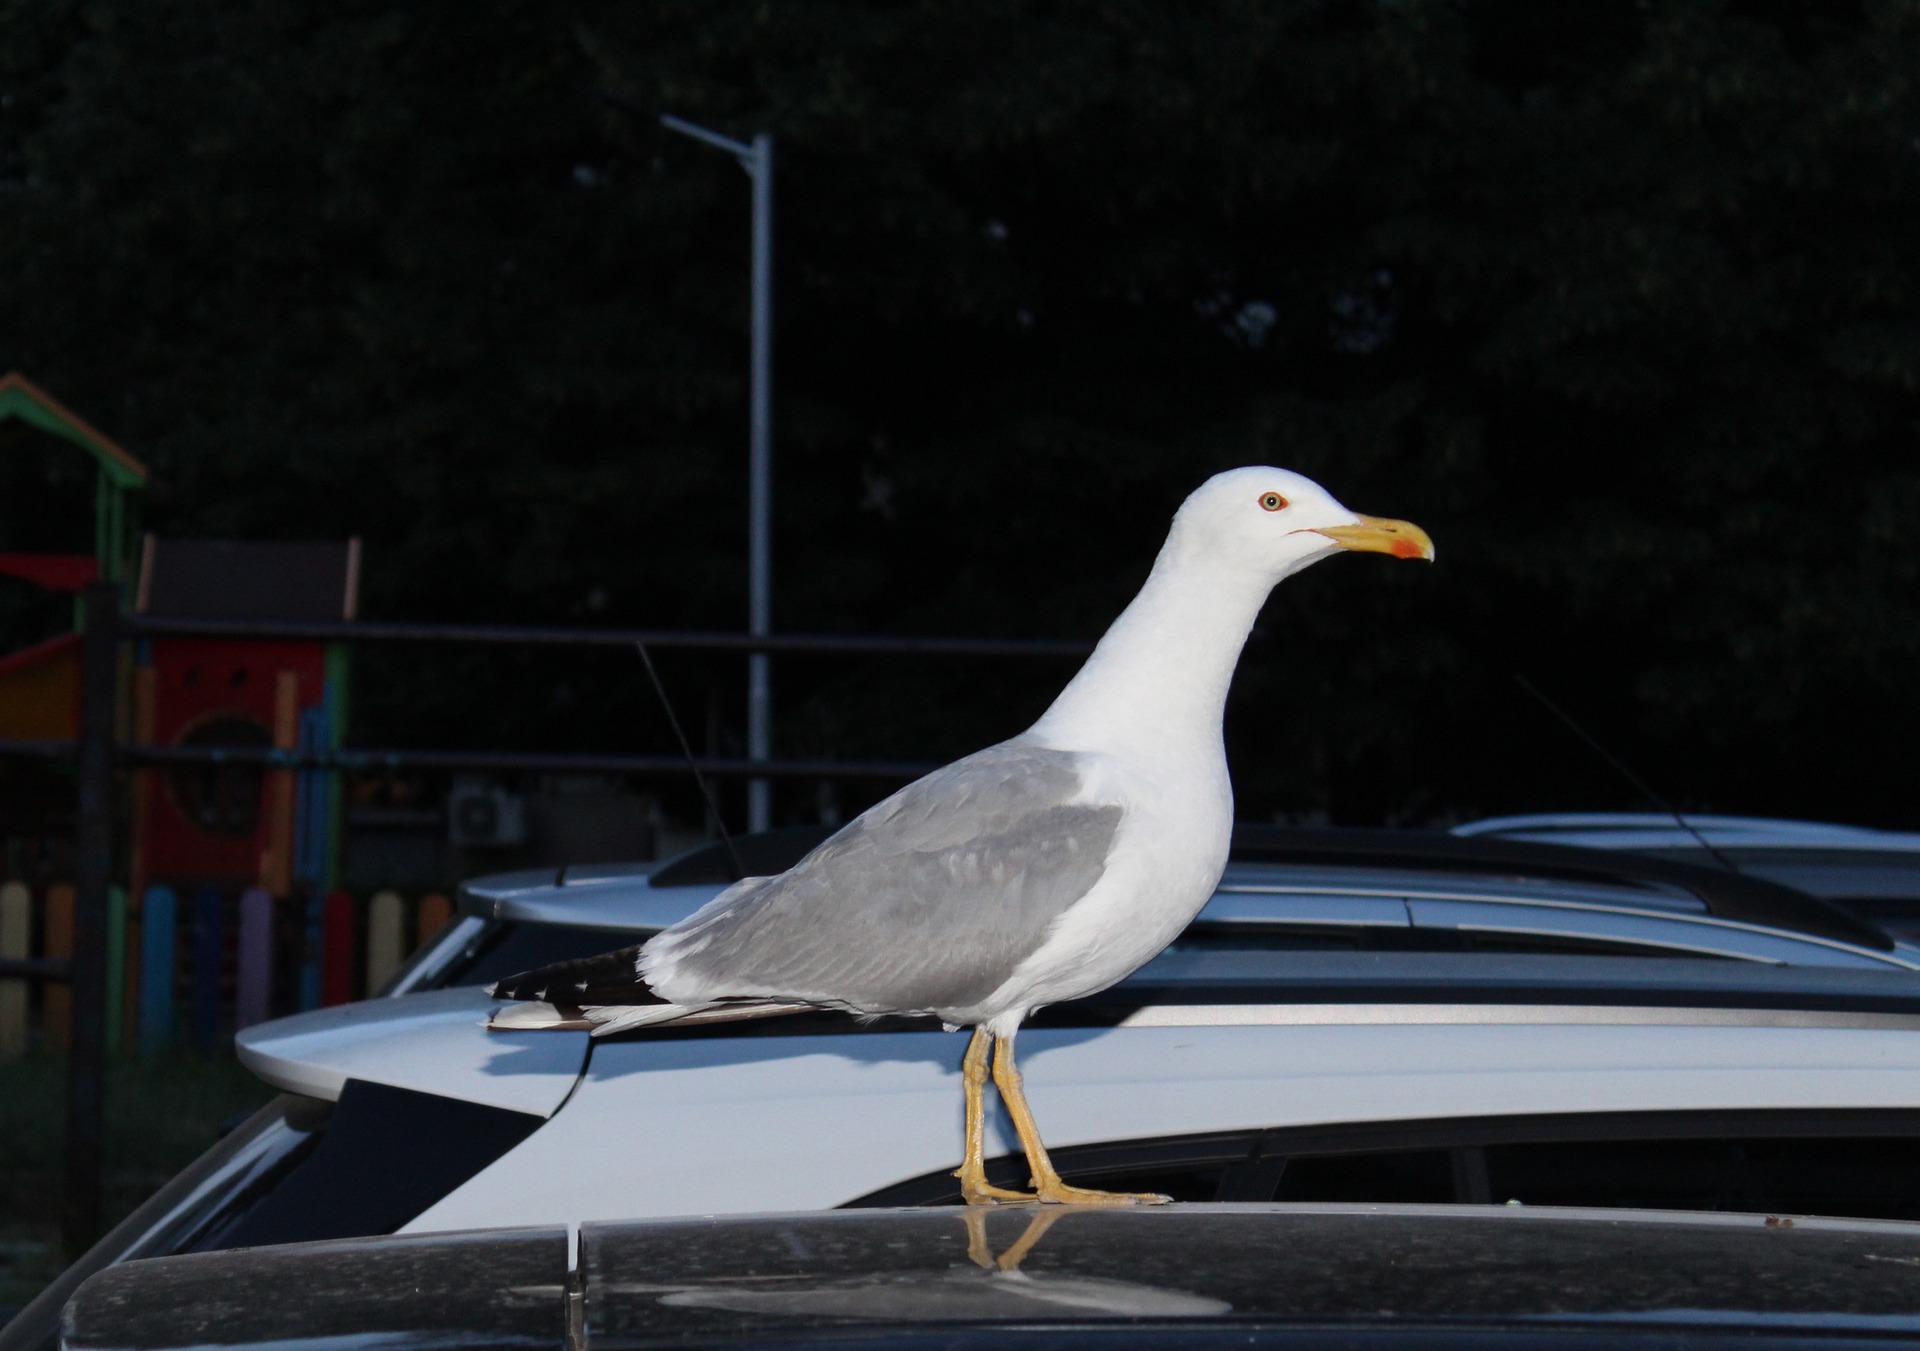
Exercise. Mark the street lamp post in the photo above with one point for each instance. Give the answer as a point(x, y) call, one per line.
point(757, 159)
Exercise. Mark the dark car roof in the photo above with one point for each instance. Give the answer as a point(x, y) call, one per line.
point(472, 1291)
point(1226, 1275)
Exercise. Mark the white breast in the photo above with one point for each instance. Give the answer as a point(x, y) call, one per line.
point(1166, 860)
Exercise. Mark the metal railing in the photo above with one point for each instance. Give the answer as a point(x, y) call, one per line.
point(141, 626)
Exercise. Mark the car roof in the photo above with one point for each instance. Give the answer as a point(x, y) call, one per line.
point(643, 898)
point(461, 1292)
point(970, 1277)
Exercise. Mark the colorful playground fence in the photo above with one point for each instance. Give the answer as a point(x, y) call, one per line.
point(205, 963)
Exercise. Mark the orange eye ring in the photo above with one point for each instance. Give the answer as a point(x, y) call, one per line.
point(1272, 502)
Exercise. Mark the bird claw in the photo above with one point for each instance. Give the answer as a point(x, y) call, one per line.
point(977, 1191)
point(1061, 1194)
point(986, 1194)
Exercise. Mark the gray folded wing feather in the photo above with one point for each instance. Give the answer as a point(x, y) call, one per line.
point(927, 901)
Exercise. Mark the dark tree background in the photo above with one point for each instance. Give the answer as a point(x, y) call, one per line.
point(1621, 301)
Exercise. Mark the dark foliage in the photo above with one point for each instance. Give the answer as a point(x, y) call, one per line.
point(1620, 301)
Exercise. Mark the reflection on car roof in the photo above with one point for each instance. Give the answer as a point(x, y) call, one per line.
point(960, 1278)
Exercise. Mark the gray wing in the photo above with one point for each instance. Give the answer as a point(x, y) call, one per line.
point(926, 901)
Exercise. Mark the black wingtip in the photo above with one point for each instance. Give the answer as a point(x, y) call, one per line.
point(610, 978)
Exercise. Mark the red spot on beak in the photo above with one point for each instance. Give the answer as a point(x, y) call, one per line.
point(1405, 548)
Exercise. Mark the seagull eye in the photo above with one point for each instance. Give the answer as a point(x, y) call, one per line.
point(1272, 501)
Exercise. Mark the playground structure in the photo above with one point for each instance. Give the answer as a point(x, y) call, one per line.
point(220, 835)
point(117, 950)
point(234, 831)
point(68, 512)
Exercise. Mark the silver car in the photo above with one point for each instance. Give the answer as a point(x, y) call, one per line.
point(1354, 1018)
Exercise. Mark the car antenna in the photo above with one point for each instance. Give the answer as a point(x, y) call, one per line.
point(680, 735)
point(1645, 788)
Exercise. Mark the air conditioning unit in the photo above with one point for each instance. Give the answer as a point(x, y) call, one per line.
point(485, 818)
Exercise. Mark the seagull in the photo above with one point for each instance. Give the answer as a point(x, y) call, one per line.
point(1038, 870)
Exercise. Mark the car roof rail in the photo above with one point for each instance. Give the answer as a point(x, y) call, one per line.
point(1727, 895)
point(1730, 831)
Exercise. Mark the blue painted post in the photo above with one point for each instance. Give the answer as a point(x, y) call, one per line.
point(253, 983)
point(316, 905)
point(159, 930)
point(203, 1000)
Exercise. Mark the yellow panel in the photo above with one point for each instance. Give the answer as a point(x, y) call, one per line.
point(40, 701)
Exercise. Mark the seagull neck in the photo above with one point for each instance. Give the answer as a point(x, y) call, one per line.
point(1157, 682)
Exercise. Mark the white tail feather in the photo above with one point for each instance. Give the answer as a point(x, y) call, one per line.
point(618, 1018)
point(740, 1010)
point(533, 1015)
point(607, 1019)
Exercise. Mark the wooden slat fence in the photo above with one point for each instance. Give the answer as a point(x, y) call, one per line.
point(201, 964)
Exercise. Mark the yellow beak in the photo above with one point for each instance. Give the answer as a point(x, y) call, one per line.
point(1379, 535)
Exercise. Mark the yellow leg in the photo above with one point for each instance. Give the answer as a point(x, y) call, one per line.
point(1046, 1180)
point(972, 1171)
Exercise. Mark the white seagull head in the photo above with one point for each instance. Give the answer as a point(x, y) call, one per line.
point(1274, 522)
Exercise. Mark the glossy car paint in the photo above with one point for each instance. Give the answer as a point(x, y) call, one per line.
point(467, 1292)
point(1244, 1275)
point(434, 1042)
